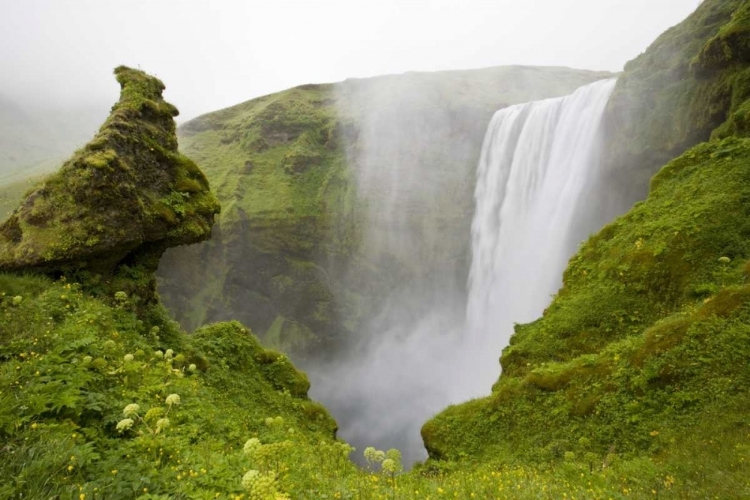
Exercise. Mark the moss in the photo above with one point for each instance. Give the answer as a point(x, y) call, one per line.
point(114, 199)
point(672, 97)
point(100, 159)
point(235, 343)
point(728, 47)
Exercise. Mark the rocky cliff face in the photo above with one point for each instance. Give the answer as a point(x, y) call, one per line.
point(118, 203)
point(335, 196)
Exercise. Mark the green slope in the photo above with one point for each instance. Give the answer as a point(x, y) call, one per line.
point(290, 256)
point(71, 363)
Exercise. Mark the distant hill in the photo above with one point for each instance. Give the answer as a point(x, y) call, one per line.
point(34, 138)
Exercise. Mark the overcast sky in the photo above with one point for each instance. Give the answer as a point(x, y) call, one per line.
point(215, 53)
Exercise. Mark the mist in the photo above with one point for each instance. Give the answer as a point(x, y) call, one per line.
point(387, 384)
point(217, 54)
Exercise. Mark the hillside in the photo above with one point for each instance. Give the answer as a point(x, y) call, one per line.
point(324, 190)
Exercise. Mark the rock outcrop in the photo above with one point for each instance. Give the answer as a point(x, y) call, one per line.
point(119, 202)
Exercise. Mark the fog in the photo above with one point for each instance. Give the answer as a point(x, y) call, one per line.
point(410, 156)
point(216, 54)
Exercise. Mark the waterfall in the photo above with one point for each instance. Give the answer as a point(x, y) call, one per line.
point(536, 170)
point(423, 353)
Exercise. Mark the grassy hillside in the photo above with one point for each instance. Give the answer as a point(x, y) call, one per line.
point(290, 255)
point(642, 355)
point(71, 365)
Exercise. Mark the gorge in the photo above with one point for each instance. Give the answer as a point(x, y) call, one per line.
point(536, 169)
point(393, 237)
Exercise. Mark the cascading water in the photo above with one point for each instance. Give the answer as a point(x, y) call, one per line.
point(537, 167)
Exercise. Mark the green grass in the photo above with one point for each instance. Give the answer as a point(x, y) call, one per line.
point(71, 363)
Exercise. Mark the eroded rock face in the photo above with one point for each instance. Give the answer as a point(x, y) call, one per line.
point(121, 200)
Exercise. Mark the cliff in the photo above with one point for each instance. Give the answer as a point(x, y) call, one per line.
point(341, 199)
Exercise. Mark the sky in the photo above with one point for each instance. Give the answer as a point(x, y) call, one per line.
point(215, 53)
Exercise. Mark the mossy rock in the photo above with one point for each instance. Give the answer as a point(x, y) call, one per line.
point(236, 344)
point(128, 192)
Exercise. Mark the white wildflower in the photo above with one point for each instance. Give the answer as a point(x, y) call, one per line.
point(124, 424)
point(251, 446)
point(131, 410)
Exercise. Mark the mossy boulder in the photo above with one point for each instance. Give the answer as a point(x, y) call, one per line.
point(240, 348)
point(120, 201)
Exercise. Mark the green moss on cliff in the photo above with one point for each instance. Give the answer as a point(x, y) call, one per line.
point(288, 256)
point(691, 81)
